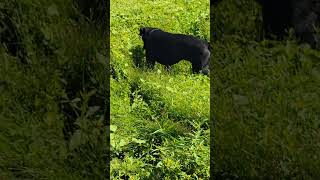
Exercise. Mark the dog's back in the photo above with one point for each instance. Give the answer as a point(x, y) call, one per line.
point(169, 48)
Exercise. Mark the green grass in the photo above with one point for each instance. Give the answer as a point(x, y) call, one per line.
point(159, 118)
point(265, 100)
point(58, 85)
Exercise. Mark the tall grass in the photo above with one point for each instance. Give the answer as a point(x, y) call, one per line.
point(159, 118)
point(265, 99)
point(53, 92)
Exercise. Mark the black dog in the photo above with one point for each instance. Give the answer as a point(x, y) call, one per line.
point(280, 15)
point(302, 15)
point(168, 49)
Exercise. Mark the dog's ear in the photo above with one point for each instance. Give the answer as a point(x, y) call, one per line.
point(142, 31)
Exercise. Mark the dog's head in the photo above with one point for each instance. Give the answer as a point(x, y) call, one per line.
point(142, 31)
point(144, 34)
point(146, 31)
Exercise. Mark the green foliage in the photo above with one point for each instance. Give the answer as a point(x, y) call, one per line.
point(265, 100)
point(52, 76)
point(159, 118)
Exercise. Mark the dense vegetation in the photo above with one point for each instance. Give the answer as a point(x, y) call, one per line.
point(53, 95)
point(53, 90)
point(159, 118)
point(265, 100)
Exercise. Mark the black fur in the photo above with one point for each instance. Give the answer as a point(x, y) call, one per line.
point(301, 15)
point(168, 49)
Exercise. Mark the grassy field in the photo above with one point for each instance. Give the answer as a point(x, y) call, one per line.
point(265, 99)
point(53, 91)
point(159, 119)
point(53, 95)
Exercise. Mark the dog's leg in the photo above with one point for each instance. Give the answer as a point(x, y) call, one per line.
point(196, 67)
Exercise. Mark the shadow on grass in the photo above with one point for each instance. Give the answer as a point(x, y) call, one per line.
point(138, 56)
